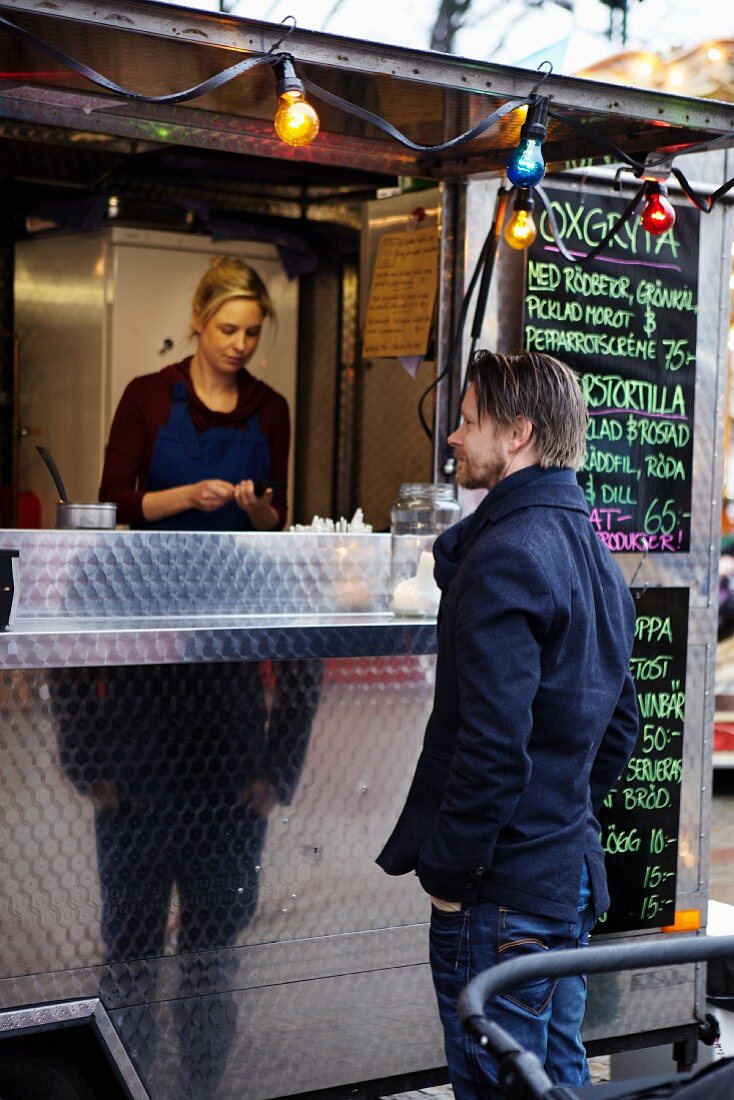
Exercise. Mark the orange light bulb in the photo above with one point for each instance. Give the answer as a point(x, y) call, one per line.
point(521, 231)
point(296, 122)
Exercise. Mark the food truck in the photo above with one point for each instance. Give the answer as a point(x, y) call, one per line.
point(150, 677)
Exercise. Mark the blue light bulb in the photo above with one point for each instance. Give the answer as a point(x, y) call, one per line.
point(526, 167)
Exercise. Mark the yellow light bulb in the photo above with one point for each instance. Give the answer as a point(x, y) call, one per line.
point(520, 231)
point(296, 122)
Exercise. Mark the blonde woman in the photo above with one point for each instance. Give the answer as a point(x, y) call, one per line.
point(202, 444)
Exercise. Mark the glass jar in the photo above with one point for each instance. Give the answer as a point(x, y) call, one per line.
point(420, 513)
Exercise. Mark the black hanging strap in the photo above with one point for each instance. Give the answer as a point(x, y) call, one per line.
point(611, 233)
point(94, 77)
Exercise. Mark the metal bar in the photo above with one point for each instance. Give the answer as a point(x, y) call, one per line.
point(48, 1016)
point(415, 66)
point(671, 951)
point(450, 292)
point(118, 1055)
point(190, 126)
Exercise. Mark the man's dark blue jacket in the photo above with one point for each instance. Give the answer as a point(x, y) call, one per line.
point(535, 713)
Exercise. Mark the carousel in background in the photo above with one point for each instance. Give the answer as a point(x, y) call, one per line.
point(706, 70)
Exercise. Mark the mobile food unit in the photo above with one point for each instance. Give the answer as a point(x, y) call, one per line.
point(162, 670)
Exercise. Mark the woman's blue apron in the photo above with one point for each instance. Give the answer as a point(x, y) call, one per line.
point(183, 456)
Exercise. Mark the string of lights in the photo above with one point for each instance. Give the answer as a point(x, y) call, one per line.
point(296, 123)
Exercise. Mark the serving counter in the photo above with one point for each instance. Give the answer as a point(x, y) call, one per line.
point(207, 739)
point(129, 597)
point(134, 597)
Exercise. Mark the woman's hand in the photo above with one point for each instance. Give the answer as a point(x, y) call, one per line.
point(260, 511)
point(208, 496)
point(204, 496)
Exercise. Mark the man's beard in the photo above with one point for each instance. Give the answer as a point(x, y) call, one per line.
point(469, 477)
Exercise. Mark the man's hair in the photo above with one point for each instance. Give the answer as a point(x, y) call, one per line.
point(540, 388)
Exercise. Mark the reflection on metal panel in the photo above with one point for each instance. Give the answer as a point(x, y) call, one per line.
point(360, 1024)
point(622, 1004)
point(163, 821)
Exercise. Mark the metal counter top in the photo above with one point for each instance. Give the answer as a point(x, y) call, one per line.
point(56, 643)
point(135, 597)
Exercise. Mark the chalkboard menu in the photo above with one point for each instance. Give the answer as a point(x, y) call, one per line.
point(626, 321)
point(640, 816)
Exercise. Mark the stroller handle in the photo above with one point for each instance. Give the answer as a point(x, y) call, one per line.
point(597, 960)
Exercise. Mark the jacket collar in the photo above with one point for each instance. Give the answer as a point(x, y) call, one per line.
point(533, 487)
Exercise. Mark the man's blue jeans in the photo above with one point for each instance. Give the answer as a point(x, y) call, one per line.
point(543, 1017)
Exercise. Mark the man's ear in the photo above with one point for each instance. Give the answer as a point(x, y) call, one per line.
point(522, 433)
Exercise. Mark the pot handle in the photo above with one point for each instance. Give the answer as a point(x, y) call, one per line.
point(53, 470)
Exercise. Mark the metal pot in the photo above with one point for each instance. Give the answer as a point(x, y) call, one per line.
point(86, 516)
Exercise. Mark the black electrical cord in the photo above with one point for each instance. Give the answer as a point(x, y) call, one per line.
point(233, 71)
point(626, 215)
point(94, 77)
point(641, 167)
point(705, 205)
point(271, 58)
point(598, 139)
point(392, 131)
point(484, 267)
point(498, 218)
point(458, 334)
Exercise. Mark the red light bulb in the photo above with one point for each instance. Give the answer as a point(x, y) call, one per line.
point(658, 215)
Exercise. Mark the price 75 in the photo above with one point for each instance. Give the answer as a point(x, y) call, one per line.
point(676, 354)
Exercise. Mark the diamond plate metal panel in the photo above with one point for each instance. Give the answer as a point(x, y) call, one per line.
point(163, 822)
point(77, 574)
point(357, 1023)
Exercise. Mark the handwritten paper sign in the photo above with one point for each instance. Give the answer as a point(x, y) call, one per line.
point(641, 814)
point(402, 295)
point(627, 323)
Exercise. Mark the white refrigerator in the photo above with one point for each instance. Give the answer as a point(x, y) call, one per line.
point(93, 311)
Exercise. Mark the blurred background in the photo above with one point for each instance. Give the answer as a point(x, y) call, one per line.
point(656, 35)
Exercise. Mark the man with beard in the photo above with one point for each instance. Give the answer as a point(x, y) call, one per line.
point(534, 717)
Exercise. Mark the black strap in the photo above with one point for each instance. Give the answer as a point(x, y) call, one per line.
point(598, 139)
point(623, 218)
point(393, 132)
point(92, 75)
point(704, 204)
